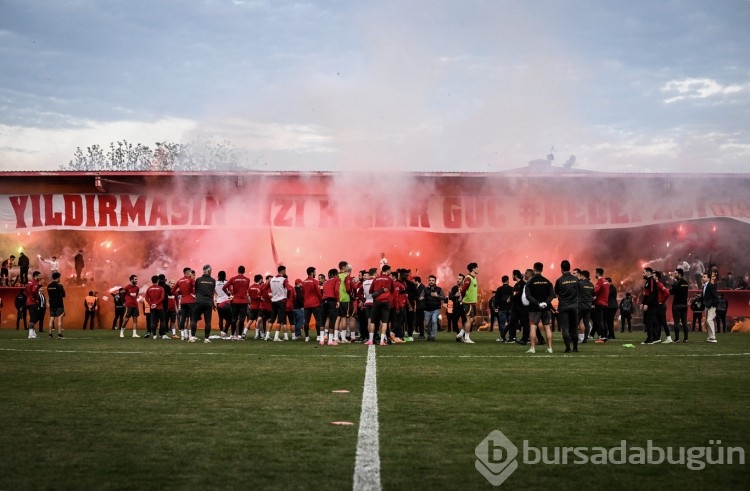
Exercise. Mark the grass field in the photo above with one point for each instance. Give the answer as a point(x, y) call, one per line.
point(98, 412)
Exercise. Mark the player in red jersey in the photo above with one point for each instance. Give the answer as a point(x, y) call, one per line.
point(237, 288)
point(381, 289)
point(312, 298)
point(131, 304)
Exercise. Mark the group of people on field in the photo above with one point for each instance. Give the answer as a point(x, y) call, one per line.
point(385, 306)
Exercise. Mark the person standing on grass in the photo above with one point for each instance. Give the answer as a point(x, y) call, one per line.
point(56, 294)
point(626, 313)
point(32, 302)
point(253, 314)
point(601, 302)
point(710, 298)
point(650, 304)
point(469, 301)
point(455, 309)
point(611, 309)
point(661, 313)
point(131, 291)
point(381, 289)
point(330, 308)
point(205, 289)
point(311, 299)
point(154, 298)
point(90, 306)
point(566, 289)
point(346, 306)
point(433, 300)
point(185, 289)
point(237, 287)
point(539, 293)
point(679, 291)
point(368, 334)
point(279, 294)
point(503, 302)
point(519, 315)
point(223, 306)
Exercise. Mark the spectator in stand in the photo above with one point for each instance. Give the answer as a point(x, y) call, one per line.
point(79, 265)
point(698, 269)
point(696, 305)
point(54, 264)
point(729, 282)
point(23, 268)
point(5, 270)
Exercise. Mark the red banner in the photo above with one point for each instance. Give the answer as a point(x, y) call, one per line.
point(445, 214)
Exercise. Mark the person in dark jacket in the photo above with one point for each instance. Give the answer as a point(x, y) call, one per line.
point(503, 303)
point(585, 302)
point(205, 288)
point(650, 304)
point(433, 299)
point(679, 292)
point(566, 289)
point(539, 293)
point(611, 309)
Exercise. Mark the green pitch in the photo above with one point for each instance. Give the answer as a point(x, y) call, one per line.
point(95, 411)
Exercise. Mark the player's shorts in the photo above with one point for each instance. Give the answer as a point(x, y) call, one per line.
point(33, 313)
point(544, 316)
point(380, 313)
point(57, 312)
point(265, 314)
point(131, 312)
point(346, 309)
point(278, 312)
point(252, 314)
point(470, 309)
point(171, 316)
point(368, 311)
point(328, 312)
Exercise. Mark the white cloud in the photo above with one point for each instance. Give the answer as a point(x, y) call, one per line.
point(699, 88)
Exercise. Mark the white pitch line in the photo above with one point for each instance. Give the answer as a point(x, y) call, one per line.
point(367, 463)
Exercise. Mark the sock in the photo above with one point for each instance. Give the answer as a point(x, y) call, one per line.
point(286, 336)
point(372, 337)
point(336, 335)
point(461, 333)
point(276, 335)
point(382, 338)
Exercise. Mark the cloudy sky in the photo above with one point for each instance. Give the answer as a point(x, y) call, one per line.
point(471, 85)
